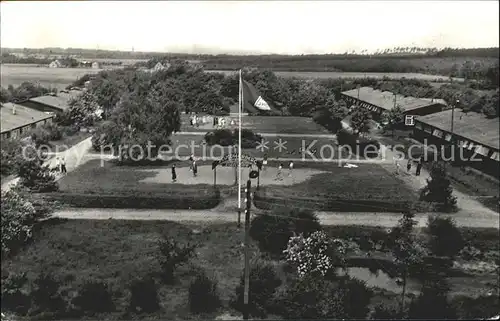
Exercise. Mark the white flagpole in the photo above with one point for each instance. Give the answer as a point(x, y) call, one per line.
point(240, 105)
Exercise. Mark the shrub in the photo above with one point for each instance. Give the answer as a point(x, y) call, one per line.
point(272, 232)
point(203, 295)
point(316, 255)
point(223, 137)
point(445, 238)
point(18, 217)
point(432, 303)
point(54, 131)
point(484, 306)
point(14, 299)
point(263, 285)
point(40, 136)
point(317, 298)
point(387, 312)
point(143, 296)
point(36, 177)
point(172, 255)
point(93, 297)
point(439, 190)
point(46, 298)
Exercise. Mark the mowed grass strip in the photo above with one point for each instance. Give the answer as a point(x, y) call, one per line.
point(117, 252)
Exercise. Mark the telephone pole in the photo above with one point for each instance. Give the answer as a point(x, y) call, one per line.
point(248, 202)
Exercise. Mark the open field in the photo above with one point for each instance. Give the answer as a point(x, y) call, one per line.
point(366, 182)
point(118, 252)
point(352, 75)
point(48, 77)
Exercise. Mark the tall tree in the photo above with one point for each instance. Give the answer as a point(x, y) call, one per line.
point(360, 120)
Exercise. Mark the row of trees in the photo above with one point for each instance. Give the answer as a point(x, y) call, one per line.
point(24, 91)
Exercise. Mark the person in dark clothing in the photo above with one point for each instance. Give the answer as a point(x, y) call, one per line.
point(195, 169)
point(63, 166)
point(174, 174)
point(419, 168)
point(408, 166)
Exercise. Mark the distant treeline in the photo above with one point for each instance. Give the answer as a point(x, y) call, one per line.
point(7, 58)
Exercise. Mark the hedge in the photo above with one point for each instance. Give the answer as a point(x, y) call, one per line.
point(159, 201)
point(341, 205)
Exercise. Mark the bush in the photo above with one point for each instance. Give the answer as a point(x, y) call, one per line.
point(175, 201)
point(46, 298)
point(203, 296)
point(171, 255)
point(14, 299)
point(387, 312)
point(317, 298)
point(93, 297)
point(226, 137)
point(263, 285)
point(36, 177)
point(445, 238)
point(482, 307)
point(432, 303)
point(143, 296)
point(18, 217)
point(223, 137)
point(40, 136)
point(439, 189)
point(272, 232)
point(54, 131)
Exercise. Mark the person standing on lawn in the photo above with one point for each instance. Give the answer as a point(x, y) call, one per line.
point(419, 167)
point(195, 168)
point(63, 166)
point(279, 176)
point(174, 174)
point(291, 168)
point(408, 165)
point(58, 164)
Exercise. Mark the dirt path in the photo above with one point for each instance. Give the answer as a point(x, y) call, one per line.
point(226, 212)
point(331, 136)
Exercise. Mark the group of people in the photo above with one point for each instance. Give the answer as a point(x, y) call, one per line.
point(193, 168)
point(61, 165)
point(409, 165)
point(279, 173)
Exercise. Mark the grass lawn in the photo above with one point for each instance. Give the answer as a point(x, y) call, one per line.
point(266, 124)
point(117, 252)
point(120, 251)
point(92, 178)
point(325, 148)
point(367, 181)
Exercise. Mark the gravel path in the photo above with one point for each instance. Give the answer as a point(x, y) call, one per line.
point(219, 215)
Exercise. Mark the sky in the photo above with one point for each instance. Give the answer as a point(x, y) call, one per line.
point(252, 27)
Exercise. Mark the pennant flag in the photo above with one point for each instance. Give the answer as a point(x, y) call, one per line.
point(253, 102)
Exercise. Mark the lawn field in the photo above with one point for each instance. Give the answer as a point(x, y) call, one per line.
point(15, 74)
point(117, 252)
point(367, 181)
point(264, 124)
point(185, 145)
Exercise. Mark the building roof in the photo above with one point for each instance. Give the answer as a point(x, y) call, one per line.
point(60, 100)
point(385, 99)
point(471, 125)
point(24, 116)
